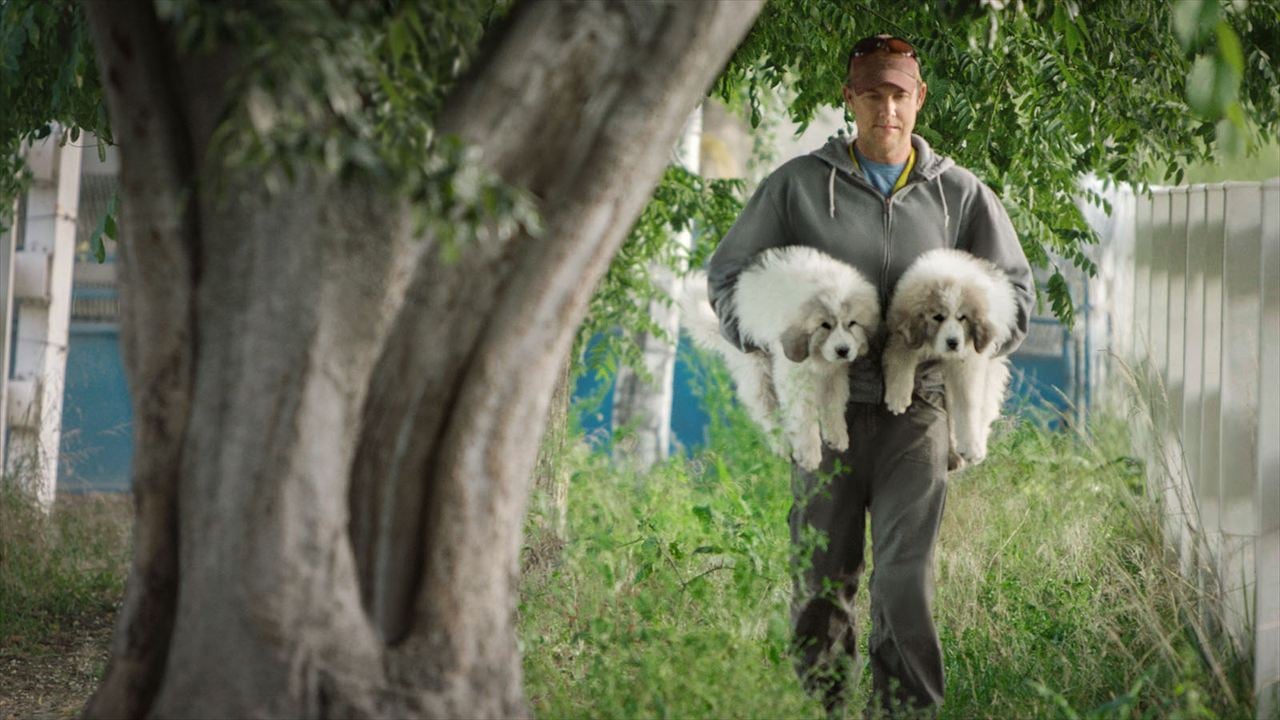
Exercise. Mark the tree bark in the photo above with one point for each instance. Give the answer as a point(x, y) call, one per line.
point(158, 273)
point(335, 426)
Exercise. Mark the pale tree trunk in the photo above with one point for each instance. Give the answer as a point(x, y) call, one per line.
point(642, 407)
point(551, 477)
point(334, 428)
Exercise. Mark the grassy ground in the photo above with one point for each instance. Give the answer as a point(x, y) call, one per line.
point(1055, 598)
point(60, 579)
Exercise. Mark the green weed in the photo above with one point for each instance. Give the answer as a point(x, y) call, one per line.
point(62, 570)
point(1055, 596)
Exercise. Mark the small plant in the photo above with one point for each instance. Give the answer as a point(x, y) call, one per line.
point(1056, 596)
point(61, 570)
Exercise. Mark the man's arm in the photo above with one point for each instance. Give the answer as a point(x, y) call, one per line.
point(989, 234)
point(759, 227)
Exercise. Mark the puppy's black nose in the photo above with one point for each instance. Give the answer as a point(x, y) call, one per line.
point(952, 343)
point(842, 351)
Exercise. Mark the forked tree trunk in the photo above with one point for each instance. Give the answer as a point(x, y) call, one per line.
point(334, 428)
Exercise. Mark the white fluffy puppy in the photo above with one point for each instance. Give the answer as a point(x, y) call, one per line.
point(954, 307)
point(813, 315)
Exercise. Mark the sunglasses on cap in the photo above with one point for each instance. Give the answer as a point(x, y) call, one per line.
point(877, 43)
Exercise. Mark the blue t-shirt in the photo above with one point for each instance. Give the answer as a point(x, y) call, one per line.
point(883, 176)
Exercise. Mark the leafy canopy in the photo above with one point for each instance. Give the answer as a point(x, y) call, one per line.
point(47, 75)
point(1028, 95)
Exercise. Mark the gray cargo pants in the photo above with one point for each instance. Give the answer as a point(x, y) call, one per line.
point(896, 470)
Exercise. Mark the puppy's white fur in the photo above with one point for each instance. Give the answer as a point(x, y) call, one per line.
point(813, 315)
point(954, 307)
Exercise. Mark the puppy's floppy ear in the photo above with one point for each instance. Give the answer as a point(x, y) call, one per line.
point(983, 333)
point(915, 331)
point(795, 343)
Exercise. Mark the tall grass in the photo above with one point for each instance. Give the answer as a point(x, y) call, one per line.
point(61, 570)
point(1056, 596)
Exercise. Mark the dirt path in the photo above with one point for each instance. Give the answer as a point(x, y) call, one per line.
point(56, 678)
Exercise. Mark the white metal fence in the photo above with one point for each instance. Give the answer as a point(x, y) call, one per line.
point(1189, 280)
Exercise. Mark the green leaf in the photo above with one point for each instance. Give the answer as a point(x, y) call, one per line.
point(1229, 138)
point(398, 39)
point(106, 227)
point(645, 570)
point(1192, 20)
point(1200, 86)
point(1060, 299)
point(703, 513)
point(1229, 48)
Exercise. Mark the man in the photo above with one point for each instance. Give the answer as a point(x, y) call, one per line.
point(876, 203)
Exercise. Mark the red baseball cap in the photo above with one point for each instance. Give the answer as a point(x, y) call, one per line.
point(883, 59)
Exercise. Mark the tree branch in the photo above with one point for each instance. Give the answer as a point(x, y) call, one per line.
point(579, 105)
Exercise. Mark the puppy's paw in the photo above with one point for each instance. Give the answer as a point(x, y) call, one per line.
point(897, 400)
point(954, 461)
point(838, 437)
point(808, 455)
point(972, 452)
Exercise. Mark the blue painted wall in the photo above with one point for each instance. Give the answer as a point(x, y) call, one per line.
point(1039, 383)
point(97, 420)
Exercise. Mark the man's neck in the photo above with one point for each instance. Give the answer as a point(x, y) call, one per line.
point(894, 156)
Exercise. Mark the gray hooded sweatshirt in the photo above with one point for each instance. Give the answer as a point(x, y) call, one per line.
point(824, 201)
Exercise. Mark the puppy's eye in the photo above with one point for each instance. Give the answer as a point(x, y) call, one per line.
point(826, 326)
point(938, 318)
point(852, 323)
point(960, 318)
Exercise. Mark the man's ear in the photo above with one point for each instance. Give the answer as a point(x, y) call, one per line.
point(923, 90)
point(795, 344)
point(848, 94)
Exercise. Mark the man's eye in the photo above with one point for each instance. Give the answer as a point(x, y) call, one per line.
point(826, 326)
point(938, 318)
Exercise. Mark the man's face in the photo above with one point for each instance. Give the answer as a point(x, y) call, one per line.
point(886, 115)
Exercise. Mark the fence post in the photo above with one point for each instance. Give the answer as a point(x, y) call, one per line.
point(1209, 491)
point(1266, 680)
point(1239, 428)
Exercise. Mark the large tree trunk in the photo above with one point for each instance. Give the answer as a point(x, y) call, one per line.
point(335, 428)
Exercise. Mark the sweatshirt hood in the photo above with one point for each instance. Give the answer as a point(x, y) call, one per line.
point(928, 167)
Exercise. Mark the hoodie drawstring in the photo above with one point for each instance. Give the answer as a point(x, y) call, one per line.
point(831, 192)
point(946, 216)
